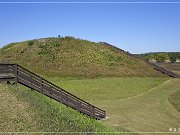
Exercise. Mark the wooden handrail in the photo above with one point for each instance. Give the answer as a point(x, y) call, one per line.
point(34, 81)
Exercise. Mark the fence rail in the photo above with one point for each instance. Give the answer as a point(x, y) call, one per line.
point(31, 80)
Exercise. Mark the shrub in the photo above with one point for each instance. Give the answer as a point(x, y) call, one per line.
point(172, 58)
point(31, 42)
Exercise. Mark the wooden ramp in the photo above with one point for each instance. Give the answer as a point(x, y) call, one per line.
point(15, 72)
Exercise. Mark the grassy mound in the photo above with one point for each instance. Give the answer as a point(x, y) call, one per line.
point(174, 99)
point(28, 111)
point(68, 56)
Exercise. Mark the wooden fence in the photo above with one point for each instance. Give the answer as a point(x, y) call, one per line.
point(29, 79)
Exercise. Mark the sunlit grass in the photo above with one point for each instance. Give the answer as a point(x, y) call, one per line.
point(132, 104)
point(23, 110)
point(108, 88)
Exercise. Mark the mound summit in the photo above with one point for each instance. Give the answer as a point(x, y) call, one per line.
point(68, 56)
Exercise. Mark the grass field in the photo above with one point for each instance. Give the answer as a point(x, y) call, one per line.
point(135, 104)
point(132, 104)
point(108, 88)
point(148, 112)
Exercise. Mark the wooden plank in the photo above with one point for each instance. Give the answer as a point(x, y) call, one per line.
point(28, 84)
point(51, 96)
point(85, 108)
point(7, 79)
point(51, 90)
point(28, 72)
point(98, 110)
point(6, 71)
point(86, 112)
point(28, 78)
point(69, 100)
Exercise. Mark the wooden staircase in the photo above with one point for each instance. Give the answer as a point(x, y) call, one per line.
point(165, 71)
point(18, 74)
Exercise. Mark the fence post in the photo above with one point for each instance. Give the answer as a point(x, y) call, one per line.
point(6, 69)
point(41, 85)
point(61, 95)
point(31, 81)
point(16, 74)
point(79, 105)
point(105, 114)
point(93, 111)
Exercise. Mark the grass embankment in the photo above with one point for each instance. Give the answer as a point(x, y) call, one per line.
point(174, 99)
point(28, 111)
point(74, 57)
point(135, 104)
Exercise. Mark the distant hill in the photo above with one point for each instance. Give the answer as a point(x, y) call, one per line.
point(68, 56)
point(162, 56)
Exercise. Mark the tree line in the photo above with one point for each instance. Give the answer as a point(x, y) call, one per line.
point(161, 56)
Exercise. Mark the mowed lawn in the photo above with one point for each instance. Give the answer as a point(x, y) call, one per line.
point(148, 112)
point(108, 88)
point(134, 104)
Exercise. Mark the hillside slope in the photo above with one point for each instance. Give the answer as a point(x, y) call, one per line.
point(74, 57)
point(22, 110)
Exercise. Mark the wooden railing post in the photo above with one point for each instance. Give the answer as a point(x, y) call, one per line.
point(92, 111)
point(79, 105)
point(16, 73)
point(6, 69)
point(60, 91)
point(41, 85)
point(31, 82)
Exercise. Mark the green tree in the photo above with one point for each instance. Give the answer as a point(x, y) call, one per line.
point(161, 57)
point(173, 58)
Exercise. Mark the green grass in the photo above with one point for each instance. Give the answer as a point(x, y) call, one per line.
point(135, 104)
point(177, 72)
point(70, 57)
point(28, 111)
point(107, 88)
point(174, 99)
point(132, 104)
point(149, 112)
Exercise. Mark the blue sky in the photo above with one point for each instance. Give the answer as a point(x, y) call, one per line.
point(134, 27)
